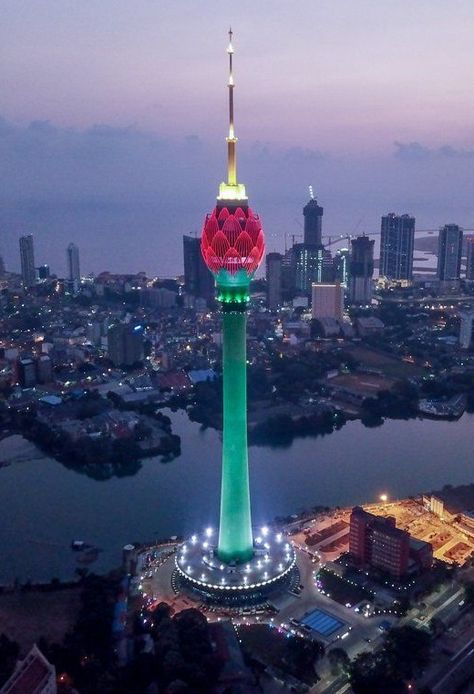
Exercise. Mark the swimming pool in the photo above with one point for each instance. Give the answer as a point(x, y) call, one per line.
point(322, 622)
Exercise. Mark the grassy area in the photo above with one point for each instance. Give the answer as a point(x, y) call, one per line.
point(388, 364)
point(26, 616)
point(261, 641)
point(340, 590)
point(272, 647)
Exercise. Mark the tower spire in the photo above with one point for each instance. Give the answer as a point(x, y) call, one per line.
point(230, 190)
point(231, 139)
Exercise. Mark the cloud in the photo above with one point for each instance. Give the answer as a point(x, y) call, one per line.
point(126, 195)
point(414, 151)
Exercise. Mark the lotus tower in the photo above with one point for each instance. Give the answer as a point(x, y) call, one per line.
point(233, 247)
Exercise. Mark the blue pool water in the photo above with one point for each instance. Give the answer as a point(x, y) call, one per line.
point(322, 622)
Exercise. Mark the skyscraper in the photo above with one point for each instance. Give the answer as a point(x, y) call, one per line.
point(27, 258)
point(361, 270)
point(327, 301)
point(396, 247)
point(449, 253)
point(342, 261)
point(313, 218)
point(125, 344)
point(198, 282)
point(470, 257)
point(274, 280)
point(466, 332)
point(2, 266)
point(73, 269)
point(288, 275)
point(312, 264)
point(44, 272)
point(237, 567)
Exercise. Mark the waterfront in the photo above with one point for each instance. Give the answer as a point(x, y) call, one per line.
point(45, 506)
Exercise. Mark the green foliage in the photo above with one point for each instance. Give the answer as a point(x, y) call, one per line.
point(469, 593)
point(9, 651)
point(405, 652)
point(282, 429)
point(339, 660)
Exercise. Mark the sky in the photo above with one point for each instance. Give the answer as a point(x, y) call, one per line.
point(113, 120)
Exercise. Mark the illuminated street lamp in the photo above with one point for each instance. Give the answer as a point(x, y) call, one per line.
point(383, 498)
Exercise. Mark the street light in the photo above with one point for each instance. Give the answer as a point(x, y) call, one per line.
point(384, 498)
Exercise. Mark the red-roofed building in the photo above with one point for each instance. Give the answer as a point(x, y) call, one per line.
point(32, 675)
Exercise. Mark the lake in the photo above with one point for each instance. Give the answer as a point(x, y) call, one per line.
point(44, 505)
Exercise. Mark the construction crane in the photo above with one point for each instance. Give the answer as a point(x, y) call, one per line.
point(292, 237)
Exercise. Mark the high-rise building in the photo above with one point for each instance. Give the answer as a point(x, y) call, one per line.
point(466, 329)
point(328, 301)
point(26, 372)
point(376, 541)
point(2, 266)
point(313, 219)
point(27, 258)
point(342, 261)
point(198, 282)
point(361, 270)
point(288, 275)
point(312, 264)
point(73, 267)
point(125, 344)
point(274, 280)
point(449, 253)
point(470, 257)
point(44, 369)
point(397, 242)
point(43, 272)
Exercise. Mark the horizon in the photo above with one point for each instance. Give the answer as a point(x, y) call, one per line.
point(131, 158)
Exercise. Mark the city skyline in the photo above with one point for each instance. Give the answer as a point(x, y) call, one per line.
point(118, 159)
point(236, 418)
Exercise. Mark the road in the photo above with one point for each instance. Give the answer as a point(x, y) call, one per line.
point(460, 667)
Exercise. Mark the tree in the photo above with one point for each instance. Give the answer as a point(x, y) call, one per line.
point(339, 660)
point(407, 650)
point(302, 654)
point(368, 675)
point(9, 651)
point(469, 593)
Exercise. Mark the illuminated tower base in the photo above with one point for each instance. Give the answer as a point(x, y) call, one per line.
point(201, 572)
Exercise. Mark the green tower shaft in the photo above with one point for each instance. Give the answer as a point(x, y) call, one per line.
point(235, 529)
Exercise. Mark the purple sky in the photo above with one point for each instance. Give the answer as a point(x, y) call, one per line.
point(114, 119)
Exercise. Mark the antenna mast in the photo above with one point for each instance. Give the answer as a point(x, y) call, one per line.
point(231, 139)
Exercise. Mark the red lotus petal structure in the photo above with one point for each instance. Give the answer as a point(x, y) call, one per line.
point(232, 241)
